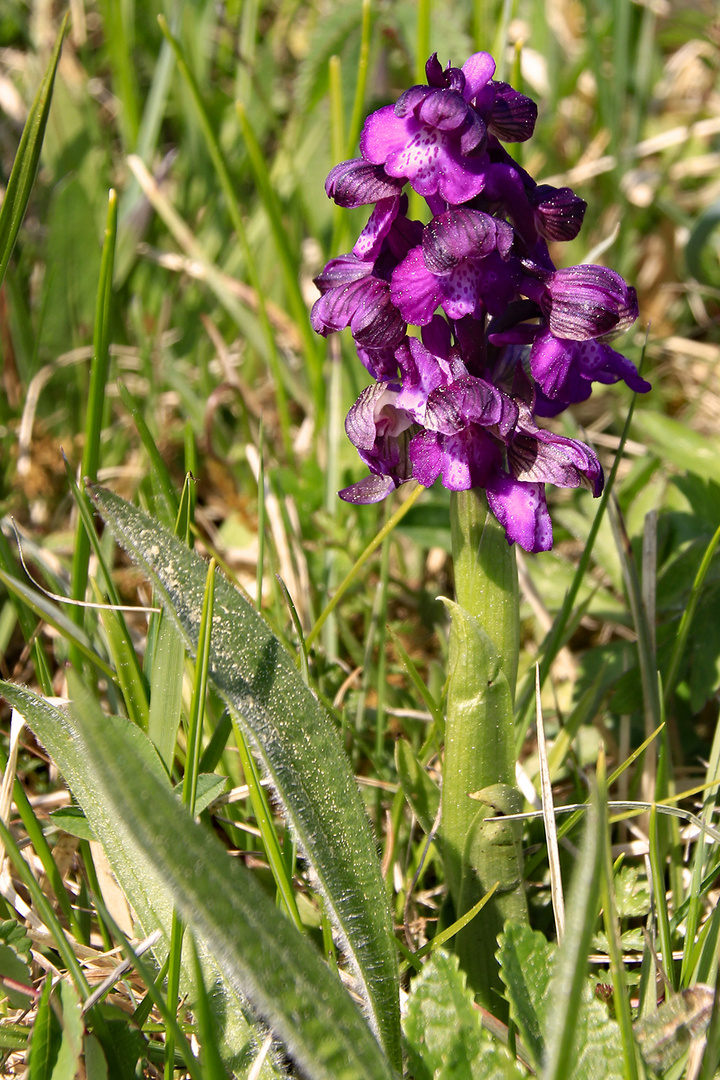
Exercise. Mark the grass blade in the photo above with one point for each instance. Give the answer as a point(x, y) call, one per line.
point(27, 159)
point(95, 408)
point(312, 348)
point(571, 964)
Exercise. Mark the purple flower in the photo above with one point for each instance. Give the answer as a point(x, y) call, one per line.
point(352, 295)
point(380, 432)
point(564, 371)
point(356, 291)
point(517, 339)
point(462, 265)
point(558, 212)
point(522, 511)
point(584, 302)
point(432, 136)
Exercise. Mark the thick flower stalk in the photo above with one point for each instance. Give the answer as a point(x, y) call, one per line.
point(505, 338)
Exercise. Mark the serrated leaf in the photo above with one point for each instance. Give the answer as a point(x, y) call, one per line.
point(16, 936)
point(444, 1032)
point(525, 958)
point(299, 747)
point(259, 951)
point(631, 893)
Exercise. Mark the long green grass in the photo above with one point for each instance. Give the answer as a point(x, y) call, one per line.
point(154, 329)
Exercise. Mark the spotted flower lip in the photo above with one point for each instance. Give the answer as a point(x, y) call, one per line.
point(431, 157)
point(459, 265)
point(471, 287)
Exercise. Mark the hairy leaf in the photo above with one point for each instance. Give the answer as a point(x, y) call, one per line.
point(299, 747)
point(258, 950)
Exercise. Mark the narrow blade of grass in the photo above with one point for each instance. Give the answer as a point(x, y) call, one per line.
point(27, 159)
point(571, 964)
point(95, 407)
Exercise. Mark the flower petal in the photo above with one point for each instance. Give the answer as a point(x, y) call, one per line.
point(415, 292)
point(585, 302)
point(357, 183)
point(462, 233)
point(442, 109)
point(369, 242)
point(513, 114)
point(544, 457)
point(370, 489)
point(558, 212)
point(478, 71)
point(522, 511)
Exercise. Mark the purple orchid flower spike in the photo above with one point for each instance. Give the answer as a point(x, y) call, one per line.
point(506, 338)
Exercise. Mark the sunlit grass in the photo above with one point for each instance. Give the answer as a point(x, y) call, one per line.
point(222, 223)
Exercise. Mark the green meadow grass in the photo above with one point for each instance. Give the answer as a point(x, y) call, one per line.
point(155, 338)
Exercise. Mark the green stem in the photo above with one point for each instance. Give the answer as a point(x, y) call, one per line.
point(479, 771)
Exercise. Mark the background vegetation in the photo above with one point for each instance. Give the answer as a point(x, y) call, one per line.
point(214, 371)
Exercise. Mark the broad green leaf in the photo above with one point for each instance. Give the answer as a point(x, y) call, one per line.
point(45, 1039)
point(444, 1032)
point(135, 869)
point(209, 787)
point(72, 820)
point(525, 958)
point(123, 1044)
point(299, 747)
point(257, 948)
point(94, 1060)
point(73, 1028)
point(22, 176)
